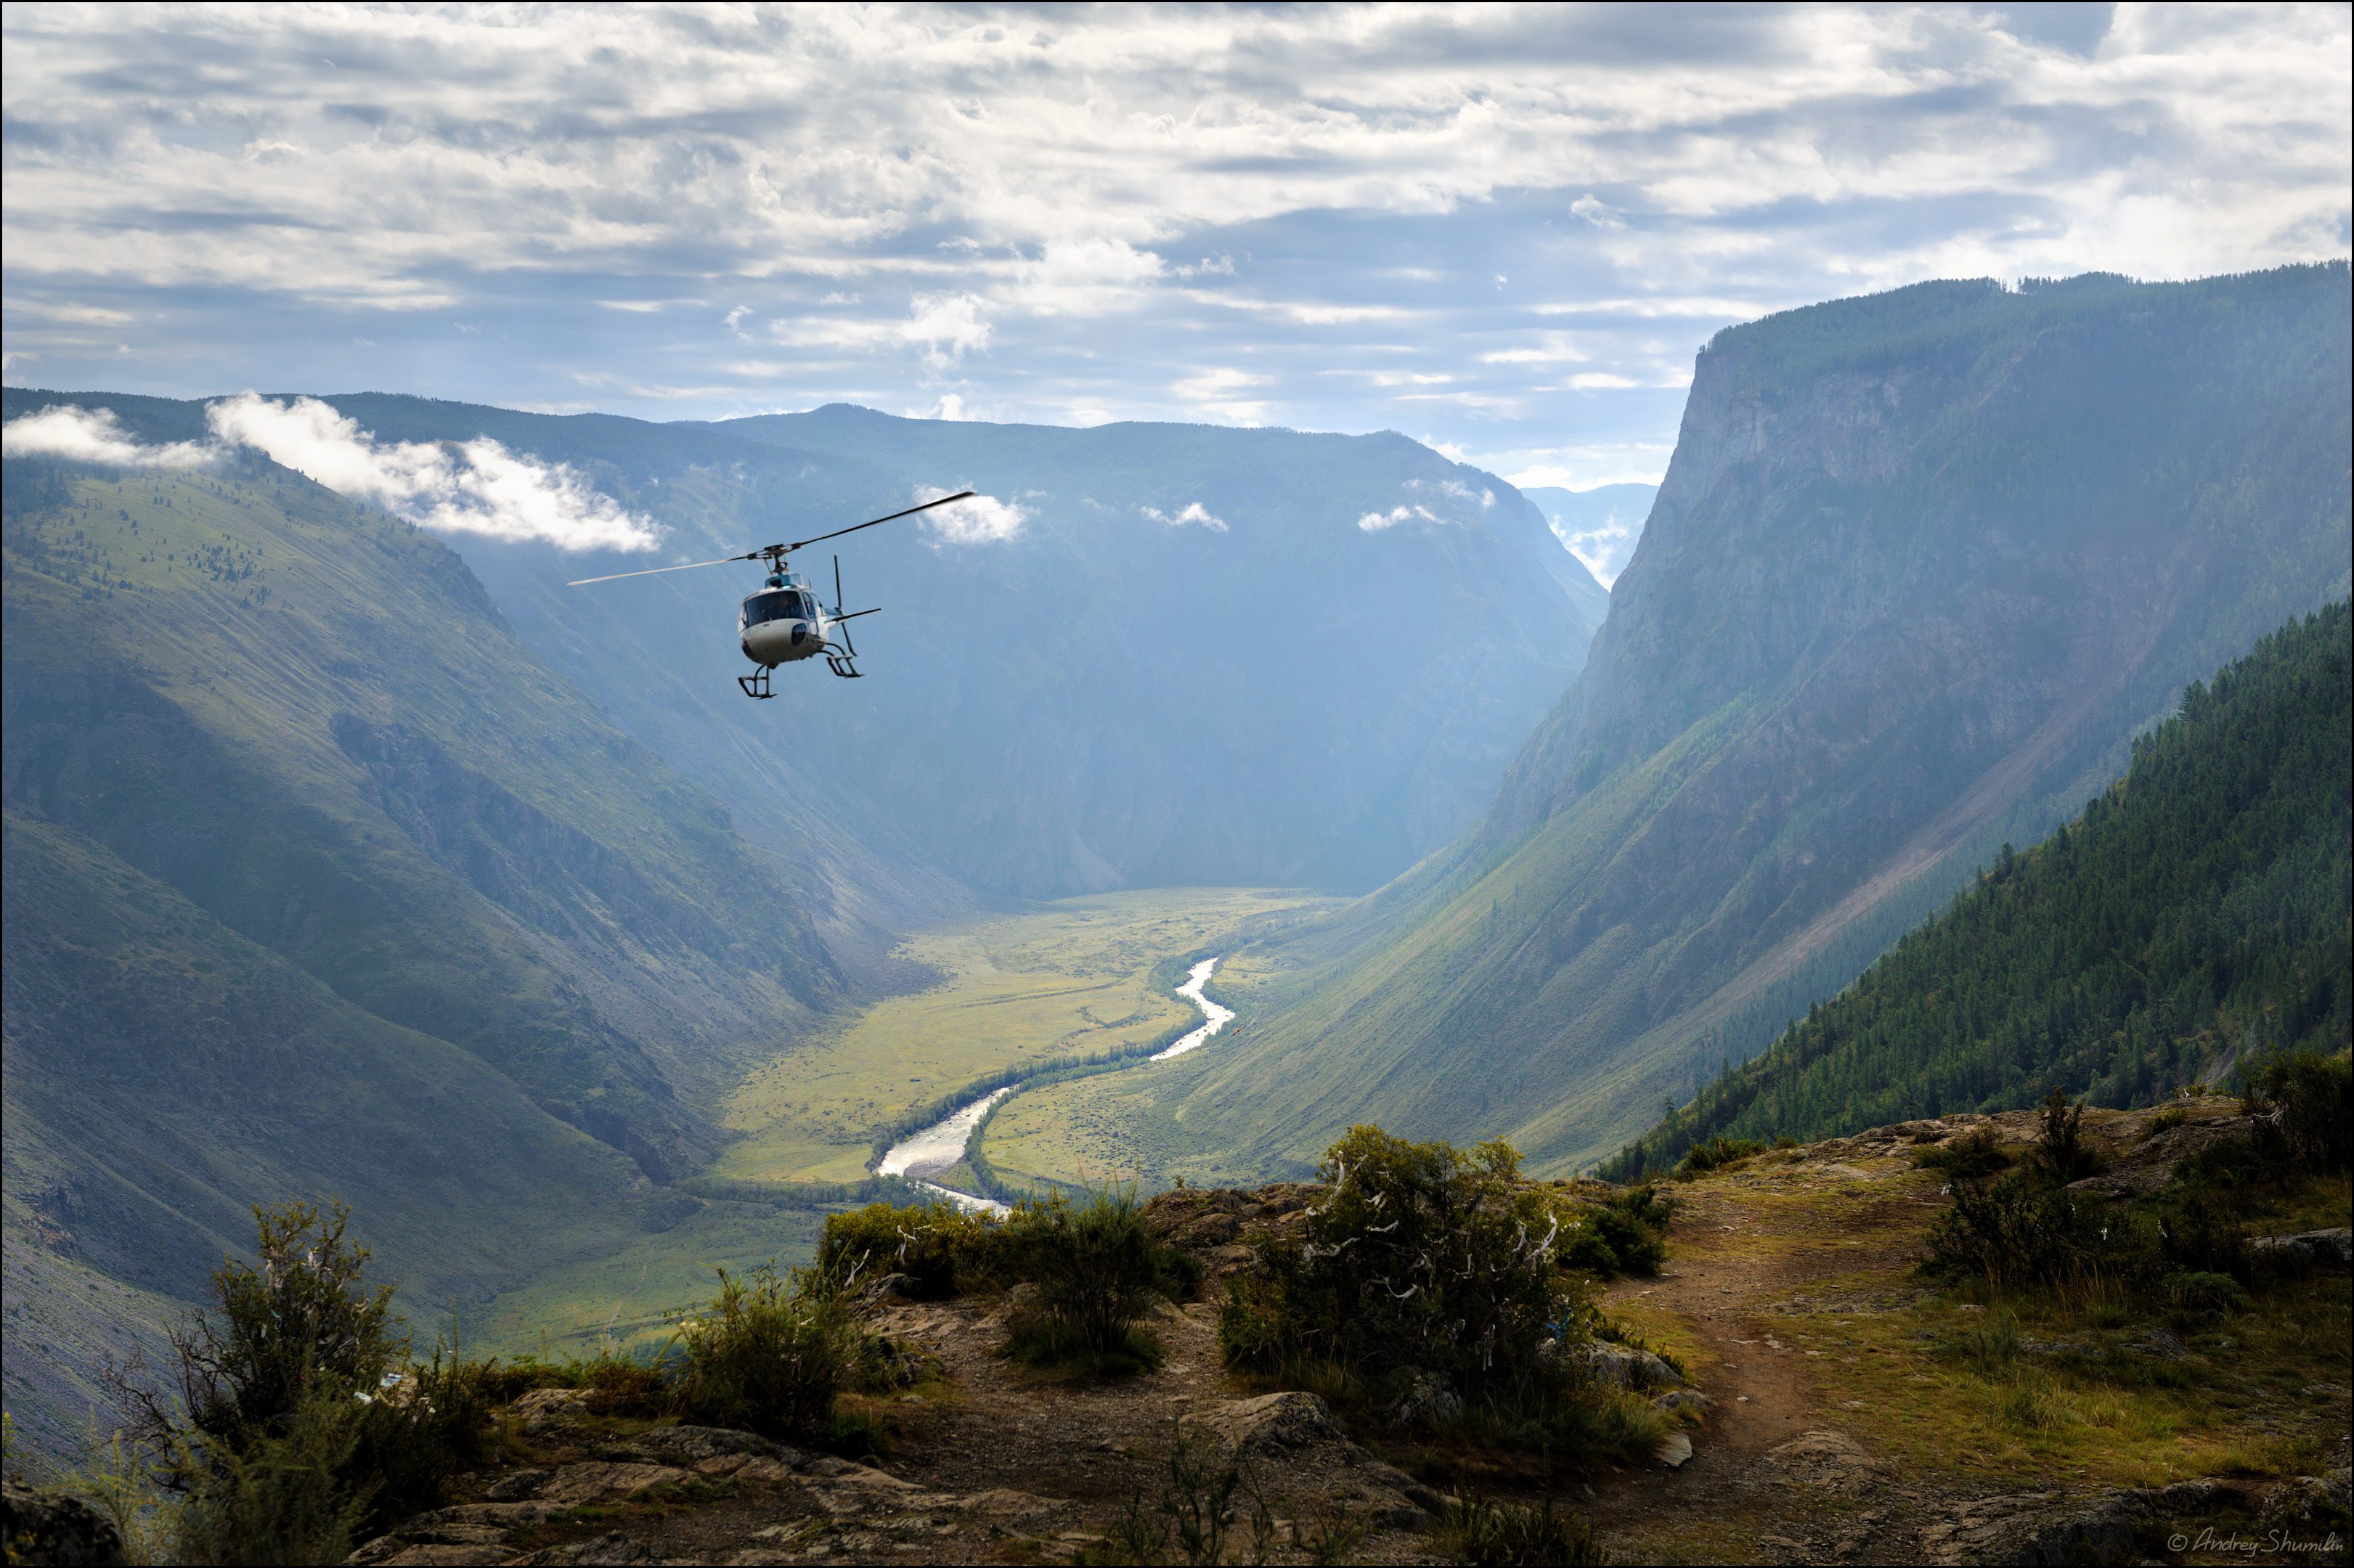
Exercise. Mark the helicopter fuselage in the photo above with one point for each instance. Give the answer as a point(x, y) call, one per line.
point(782, 622)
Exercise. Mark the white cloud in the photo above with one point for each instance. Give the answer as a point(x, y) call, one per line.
point(452, 487)
point(1195, 512)
point(94, 435)
point(1587, 207)
point(982, 520)
point(1375, 522)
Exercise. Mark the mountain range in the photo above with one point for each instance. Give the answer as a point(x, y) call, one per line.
point(1922, 565)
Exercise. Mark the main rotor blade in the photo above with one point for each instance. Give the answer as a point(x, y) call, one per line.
point(652, 571)
point(927, 506)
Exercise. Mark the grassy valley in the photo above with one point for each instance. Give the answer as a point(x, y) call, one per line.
point(1074, 979)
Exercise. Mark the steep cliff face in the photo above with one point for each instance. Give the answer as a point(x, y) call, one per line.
point(1919, 567)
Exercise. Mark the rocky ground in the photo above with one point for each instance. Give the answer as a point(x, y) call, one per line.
point(1836, 1423)
point(1820, 1442)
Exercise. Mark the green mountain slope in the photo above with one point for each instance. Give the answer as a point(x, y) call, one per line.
point(320, 883)
point(2197, 912)
point(164, 1072)
point(1921, 565)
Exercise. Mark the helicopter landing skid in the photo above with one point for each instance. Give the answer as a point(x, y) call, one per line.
point(756, 684)
point(838, 660)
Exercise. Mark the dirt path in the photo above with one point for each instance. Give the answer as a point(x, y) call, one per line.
point(1775, 1475)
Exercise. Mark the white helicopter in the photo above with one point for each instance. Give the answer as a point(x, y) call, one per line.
point(783, 619)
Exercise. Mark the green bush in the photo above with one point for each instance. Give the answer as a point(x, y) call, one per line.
point(280, 1494)
point(1974, 1156)
point(2199, 1229)
point(939, 1247)
point(1486, 1533)
point(2023, 1230)
point(1421, 1256)
point(1715, 1153)
point(765, 1356)
point(1094, 1269)
point(2061, 1149)
point(2304, 1108)
point(2196, 1290)
point(302, 1320)
point(287, 1388)
point(1623, 1233)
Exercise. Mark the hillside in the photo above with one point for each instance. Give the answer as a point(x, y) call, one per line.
point(1201, 656)
point(320, 882)
point(2195, 915)
point(1922, 564)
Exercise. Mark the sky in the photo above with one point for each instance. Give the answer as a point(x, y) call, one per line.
point(1501, 231)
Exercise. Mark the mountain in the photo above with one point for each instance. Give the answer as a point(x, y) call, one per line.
point(2195, 915)
point(319, 883)
point(1210, 656)
point(1922, 564)
point(1600, 526)
point(1187, 655)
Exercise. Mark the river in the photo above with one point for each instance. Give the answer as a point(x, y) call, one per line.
point(939, 1146)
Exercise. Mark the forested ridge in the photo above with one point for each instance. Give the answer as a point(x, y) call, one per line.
point(2197, 910)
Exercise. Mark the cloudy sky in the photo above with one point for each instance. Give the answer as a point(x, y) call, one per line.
point(1502, 231)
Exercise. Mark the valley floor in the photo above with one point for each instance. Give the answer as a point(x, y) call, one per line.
point(1068, 979)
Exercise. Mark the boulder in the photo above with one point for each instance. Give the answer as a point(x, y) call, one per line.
point(1273, 1421)
point(43, 1527)
point(2307, 1249)
point(2036, 1528)
point(1683, 1400)
point(596, 1482)
point(542, 1408)
point(612, 1548)
point(1623, 1366)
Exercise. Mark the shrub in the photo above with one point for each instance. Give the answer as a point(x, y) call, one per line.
point(2061, 1148)
point(1716, 1153)
point(283, 1392)
point(280, 1497)
point(1095, 1268)
point(409, 1443)
point(1974, 1156)
point(765, 1357)
point(1621, 1235)
point(2019, 1231)
point(2196, 1290)
point(2304, 1108)
point(1483, 1532)
point(939, 1247)
point(2199, 1231)
point(1421, 1256)
point(303, 1319)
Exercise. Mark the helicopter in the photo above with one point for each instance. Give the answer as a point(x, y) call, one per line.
point(783, 619)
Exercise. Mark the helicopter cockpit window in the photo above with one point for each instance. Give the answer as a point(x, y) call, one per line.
point(782, 606)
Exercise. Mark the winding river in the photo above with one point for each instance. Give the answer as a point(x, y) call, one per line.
point(939, 1147)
